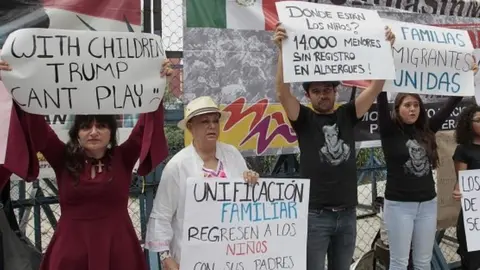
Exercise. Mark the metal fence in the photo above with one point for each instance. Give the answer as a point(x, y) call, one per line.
point(36, 204)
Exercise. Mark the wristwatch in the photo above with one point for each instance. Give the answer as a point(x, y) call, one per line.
point(164, 255)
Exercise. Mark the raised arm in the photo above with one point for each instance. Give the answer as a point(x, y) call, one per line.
point(147, 142)
point(439, 118)
point(385, 122)
point(460, 160)
point(29, 134)
point(366, 98)
point(41, 138)
point(289, 102)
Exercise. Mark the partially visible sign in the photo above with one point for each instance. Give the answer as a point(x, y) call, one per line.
point(469, 181)
point(330, 43)
point(84, 72)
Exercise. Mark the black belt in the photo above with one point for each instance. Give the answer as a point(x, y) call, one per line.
point(332, 209)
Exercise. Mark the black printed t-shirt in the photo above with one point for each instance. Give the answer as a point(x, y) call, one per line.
point(409, 171)
point(327, 155)
point(470, 155)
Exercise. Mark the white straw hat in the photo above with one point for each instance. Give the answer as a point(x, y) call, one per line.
point(199, 106)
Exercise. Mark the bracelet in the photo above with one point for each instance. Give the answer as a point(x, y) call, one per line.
point(164, 255)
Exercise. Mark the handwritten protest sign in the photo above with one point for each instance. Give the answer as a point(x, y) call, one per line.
point(5, 111)
point(84, 72)
point(327, 42)
point(469, 182)
point(431, 60)
point(231, 225)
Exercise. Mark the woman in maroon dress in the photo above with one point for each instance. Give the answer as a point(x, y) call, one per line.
point(93, 174)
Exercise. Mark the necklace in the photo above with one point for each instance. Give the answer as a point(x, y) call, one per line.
point(97, 166)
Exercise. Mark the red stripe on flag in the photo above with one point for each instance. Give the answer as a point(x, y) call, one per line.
point(270, 13)
point(108, 9)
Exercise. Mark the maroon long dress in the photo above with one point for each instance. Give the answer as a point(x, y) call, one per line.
point(94, 231)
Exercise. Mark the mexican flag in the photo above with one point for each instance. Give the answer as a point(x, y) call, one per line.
point(232, 14)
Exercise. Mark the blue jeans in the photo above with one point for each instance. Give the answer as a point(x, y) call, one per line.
point(410, 225)
point(332, 231)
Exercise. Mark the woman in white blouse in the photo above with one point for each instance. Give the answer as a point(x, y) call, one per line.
point(206, 157)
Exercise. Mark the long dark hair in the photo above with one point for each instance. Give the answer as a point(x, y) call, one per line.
point(422, 134)
point(74, 154)
point(464, 133)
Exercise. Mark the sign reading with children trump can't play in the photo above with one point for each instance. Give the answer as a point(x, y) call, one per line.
point(84, 72)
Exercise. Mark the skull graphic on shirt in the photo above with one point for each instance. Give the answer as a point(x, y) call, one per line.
point(418, 163)
point(335, 151)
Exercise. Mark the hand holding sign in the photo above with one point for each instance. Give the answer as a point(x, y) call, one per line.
point(84, 72)
point(4, 66)
point(170, 264)
point(389, 35)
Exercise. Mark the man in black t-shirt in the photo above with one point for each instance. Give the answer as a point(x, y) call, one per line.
point(327, 157)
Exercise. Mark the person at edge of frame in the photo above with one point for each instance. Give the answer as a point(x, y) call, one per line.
point(327, 157)
point(410, 149)
point(466, 157)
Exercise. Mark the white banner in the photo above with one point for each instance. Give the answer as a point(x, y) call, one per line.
point(431, 60)
point(331, 43)
point(5, 111)
point(84, 72)
point(469, 181)
point(231, 225)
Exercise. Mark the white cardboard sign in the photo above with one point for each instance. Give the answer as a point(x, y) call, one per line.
point(231, 225)
point(84, 72)
point(333, 43)
point(431, 60)
point(469, 183)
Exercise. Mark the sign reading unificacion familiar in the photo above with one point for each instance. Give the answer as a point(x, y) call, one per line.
point(469, 182)
point(84, 72)
point(431, 60)
point(229, 224)
point(327, 42)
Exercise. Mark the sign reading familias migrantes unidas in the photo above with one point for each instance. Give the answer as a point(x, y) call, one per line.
point(327, 43)
point(84, 72)
point(431, 60)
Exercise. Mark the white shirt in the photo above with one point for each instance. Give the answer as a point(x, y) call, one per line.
point(165, 226)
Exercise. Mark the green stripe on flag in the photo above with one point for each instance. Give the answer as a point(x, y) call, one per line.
point(207, 13)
